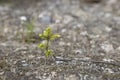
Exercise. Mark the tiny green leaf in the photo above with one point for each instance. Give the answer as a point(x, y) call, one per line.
point(55, 36)
point(48, 53)
point(49, 30)
point(42, 46)
point(47, 33)
point(42, 36)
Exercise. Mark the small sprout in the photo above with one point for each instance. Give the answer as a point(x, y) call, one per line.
point(30, 32)
point(47, 36)
point(30, 28)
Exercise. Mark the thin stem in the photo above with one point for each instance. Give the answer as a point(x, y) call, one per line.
point(48, 41)
point(47, 45)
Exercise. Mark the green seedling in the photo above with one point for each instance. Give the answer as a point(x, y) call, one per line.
point(47, 37)
point(30, 29)
point(27, 32)
point(30, 32)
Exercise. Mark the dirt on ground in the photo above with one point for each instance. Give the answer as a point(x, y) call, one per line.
point(88, 49)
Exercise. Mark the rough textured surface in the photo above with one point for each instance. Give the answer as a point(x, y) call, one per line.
point(90, 38)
